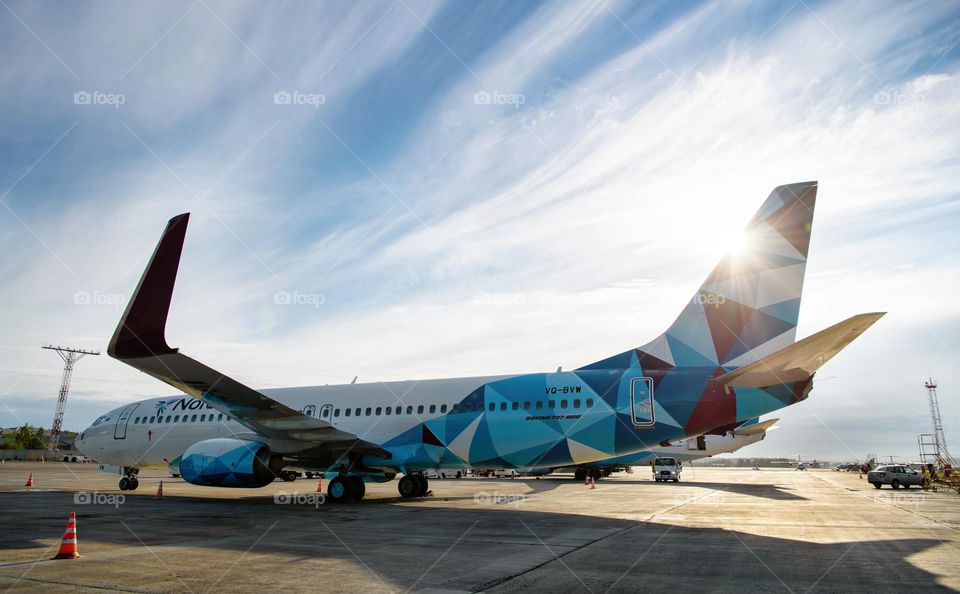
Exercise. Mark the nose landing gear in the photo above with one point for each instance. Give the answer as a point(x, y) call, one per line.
point(129, 481)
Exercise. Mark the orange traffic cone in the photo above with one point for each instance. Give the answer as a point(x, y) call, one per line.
point(320, 486)
point(159, 495)
point(29, 481)
point(68, 546)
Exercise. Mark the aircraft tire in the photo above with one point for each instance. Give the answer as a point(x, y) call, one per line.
point(408, 486)
point(338, 490)
point(424, 485)
point(357, 487)
point(134, 483)
point(124, 484)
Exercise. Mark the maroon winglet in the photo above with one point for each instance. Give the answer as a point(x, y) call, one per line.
point(140, 332)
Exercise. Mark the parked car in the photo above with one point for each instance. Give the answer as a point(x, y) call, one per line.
point(80, 459)
point(895, 475)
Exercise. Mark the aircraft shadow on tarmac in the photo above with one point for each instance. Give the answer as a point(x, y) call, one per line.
point(423, 546)
point(753, 490)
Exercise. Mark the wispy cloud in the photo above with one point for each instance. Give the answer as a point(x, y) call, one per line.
point(473, 195)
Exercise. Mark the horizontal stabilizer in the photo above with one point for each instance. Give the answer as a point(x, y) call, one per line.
point(755, 428)
point(800, 360)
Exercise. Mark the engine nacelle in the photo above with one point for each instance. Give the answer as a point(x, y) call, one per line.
point(226, 462)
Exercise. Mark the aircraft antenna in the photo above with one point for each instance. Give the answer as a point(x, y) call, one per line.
point(69, 356)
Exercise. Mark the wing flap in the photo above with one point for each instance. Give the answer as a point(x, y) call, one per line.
point(800, 360)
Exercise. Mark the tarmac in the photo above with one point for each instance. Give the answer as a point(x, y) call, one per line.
point(716, 530)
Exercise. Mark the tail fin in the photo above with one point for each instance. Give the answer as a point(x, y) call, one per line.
point(749, 305)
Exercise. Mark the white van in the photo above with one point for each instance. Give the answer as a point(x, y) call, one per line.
point(666, 469)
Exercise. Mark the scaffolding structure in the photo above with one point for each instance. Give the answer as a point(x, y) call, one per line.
point(69, 356)
point(933, 446)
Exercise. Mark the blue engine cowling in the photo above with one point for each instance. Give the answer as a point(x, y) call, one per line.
point(226, 462)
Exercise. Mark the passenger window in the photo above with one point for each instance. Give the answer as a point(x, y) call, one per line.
point(576, 403)
point(526, 405)
point(539, 404)
point(433, 408)
point(193, 418)
point(503, 406)
point(357, 412)
point(456, 407)
point(220, 417)
point(168, 419)
point(186, 418)
point(563, 404)
point(420, 409)
point(176, 419)
point(152, 420)
point(203, 418)
point(515, 405)
point(589, 402)
point(228, 417)
point(398, 410)
point(379, 411)
point(347, 411)
point(492, 406)
point(551, 404)
point(409, 410)
point(336, 412)
point(368, 411)
point(389, 410)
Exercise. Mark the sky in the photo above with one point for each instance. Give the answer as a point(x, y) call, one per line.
point(400, 189)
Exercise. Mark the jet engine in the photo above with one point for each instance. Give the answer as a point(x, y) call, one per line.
point(227, 462)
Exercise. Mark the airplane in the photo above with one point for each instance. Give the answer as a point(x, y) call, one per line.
point(730, 356)
point(685, 450)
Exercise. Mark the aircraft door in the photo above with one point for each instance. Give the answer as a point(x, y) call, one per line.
point(641, 401)
point(326, 412)
point(120, 432)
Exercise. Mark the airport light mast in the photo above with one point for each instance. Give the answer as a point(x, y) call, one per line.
point(69, 356)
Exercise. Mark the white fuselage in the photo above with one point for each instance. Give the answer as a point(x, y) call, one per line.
point(154, 432)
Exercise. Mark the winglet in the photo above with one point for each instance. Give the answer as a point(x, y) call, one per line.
point(140, 332)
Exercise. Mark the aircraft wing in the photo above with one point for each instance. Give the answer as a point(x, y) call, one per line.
point(800, 360)
point(140, 342)
point(756, 427)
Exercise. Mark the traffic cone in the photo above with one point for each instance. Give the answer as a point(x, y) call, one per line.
point(159, 495)
point(320, 486)
point(68, 546)
point(29, 481)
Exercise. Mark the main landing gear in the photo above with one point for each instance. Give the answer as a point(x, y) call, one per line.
point(129, 481)
point(346, 488)
point(413, 485)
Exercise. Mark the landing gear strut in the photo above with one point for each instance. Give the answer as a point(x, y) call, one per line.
point(413, 485)
point(129, 481)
